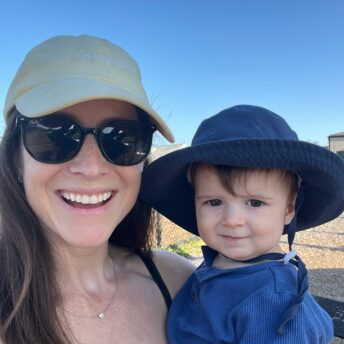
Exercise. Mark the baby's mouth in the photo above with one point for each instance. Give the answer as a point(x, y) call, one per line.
point(86, 201)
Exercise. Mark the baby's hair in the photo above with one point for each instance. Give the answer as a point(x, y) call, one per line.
point(231, 175)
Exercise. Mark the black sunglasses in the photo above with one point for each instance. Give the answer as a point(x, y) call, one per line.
point(56, 138)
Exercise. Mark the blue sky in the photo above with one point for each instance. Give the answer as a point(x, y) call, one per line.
point(198, 57)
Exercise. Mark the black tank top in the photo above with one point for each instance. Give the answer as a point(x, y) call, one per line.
point(151, 267)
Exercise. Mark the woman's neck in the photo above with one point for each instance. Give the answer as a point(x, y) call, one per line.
point(87, 270)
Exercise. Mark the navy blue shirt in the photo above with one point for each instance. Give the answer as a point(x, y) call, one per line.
point(244, 305)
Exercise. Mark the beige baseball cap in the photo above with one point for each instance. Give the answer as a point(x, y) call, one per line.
point(66, 70)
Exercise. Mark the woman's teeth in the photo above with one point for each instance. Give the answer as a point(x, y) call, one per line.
point(86, 199)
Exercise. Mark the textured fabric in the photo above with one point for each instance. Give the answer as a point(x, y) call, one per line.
point(247, 136)
point(244, 305)
point(67, 70)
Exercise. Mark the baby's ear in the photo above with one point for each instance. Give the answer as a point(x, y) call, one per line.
point(290, 210)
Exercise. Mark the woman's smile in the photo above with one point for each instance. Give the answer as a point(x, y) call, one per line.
point(92, 199)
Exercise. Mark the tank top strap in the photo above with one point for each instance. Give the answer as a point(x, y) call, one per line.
point(154, 272)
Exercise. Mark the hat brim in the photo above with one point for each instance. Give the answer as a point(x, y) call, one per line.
point(59, 94)
point(165, 186)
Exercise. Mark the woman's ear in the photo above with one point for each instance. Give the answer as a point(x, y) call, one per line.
point(290, 210)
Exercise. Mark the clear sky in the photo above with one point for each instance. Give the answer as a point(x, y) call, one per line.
point(198, 57)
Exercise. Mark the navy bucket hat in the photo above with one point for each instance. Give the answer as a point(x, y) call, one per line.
point(247, 136)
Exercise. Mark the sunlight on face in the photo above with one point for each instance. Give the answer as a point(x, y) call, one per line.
point(56, 192)
point(245, 224)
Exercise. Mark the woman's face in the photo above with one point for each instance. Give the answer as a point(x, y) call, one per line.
point(81, 201)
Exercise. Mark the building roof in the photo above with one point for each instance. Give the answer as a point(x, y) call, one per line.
point(341, 134)
point(158, 151)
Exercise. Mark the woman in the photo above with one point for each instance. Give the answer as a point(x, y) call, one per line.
point(76, 265)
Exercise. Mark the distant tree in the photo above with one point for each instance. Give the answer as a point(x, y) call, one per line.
point(314, 142)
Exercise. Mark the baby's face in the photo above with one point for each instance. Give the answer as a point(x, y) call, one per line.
point(245, 224)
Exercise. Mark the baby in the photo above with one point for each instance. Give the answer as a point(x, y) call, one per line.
point(246, 180)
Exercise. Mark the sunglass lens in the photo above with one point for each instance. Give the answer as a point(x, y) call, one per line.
point(126, 142)
point(52, 139)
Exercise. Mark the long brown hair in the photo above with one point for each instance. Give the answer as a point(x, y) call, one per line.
point(29, 293)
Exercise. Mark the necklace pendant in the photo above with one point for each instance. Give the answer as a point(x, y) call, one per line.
point(101, 315)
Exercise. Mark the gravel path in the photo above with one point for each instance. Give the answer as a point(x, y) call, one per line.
point(322, 250)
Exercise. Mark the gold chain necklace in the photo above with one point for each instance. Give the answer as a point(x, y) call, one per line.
point(100, 315)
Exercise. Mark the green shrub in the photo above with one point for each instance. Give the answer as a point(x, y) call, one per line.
point(188, 249)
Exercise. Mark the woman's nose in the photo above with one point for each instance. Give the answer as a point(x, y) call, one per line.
point(89, 161)
point(233, 216)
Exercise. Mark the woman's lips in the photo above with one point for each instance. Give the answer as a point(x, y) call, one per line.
point(83, 200)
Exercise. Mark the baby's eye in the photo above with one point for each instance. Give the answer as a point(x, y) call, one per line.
point(214, 202)
point(255, 203)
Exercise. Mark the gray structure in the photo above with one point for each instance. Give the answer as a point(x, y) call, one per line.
point(336, 143)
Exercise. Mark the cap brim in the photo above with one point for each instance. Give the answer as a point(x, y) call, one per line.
point(52, 97)
point(165, 185)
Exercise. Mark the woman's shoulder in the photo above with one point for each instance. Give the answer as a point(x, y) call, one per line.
point(174, 269)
